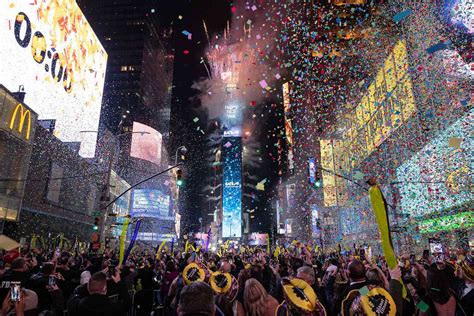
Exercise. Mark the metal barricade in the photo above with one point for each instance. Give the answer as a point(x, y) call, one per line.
point(131, 311)
point(113, 298)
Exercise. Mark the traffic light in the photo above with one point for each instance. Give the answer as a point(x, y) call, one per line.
point(96, 224)
point(318, 183)
point(179, 177)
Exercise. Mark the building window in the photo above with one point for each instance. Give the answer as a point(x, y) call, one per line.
point(127, 68)
point(53, 190)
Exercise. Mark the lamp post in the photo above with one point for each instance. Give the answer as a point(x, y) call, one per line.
point(104, 199)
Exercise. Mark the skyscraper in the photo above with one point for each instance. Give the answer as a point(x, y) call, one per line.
point(139, 76)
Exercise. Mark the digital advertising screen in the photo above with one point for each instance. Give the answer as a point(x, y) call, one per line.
point(146, 143)
point(439, 176)
point(49, 48)
point(312, 170)
point(151, 203)
point(257, 239)
point(232, 190)
point(315, 230)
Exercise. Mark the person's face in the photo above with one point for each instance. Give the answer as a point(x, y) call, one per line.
point(305, 277)
point(440, 260)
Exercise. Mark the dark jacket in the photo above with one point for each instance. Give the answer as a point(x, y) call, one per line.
point(97, 305)
point(465, 303)
point(47, 300)
point(13, 276)
point(120, 307)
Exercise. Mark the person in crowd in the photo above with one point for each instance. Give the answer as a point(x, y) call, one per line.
point(27, 305)
point(170, 274)
point(95, 302)
point(257, 302)
point(441, 285)
point(466, 287)
point(196, 299)
point(18, 272)
point(46, 285)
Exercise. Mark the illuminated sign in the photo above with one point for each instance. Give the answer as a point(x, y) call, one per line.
point(16, 118)
point(146, 143)
point(121, 207)
point(288, 125)
point(315, 230)
point(327, 172)
point(151, 203)
point(257, 239)
point(387, 105)
point(232, 188)
point(286, 110)
point(50, 49)
point(24, 115)
point(447, 223)
point(439, 176)
point(232, 132)
point(312, 170)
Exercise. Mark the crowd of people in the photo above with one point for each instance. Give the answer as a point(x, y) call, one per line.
point(235, 282)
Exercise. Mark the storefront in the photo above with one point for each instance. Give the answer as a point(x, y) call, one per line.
point(17, 129)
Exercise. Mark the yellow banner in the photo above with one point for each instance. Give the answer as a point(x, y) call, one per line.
point(158, 252)
point(380, 211)
point(123, 236)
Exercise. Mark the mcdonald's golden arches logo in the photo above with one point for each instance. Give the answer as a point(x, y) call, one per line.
point(24, 113)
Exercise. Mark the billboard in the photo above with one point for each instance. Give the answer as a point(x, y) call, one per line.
point(258, 239)
point(312, 170)
point(439, 177)
point(327, 172)
point(387, 104)
point(146, 143)
point(232, 191)
point(315, 230)
point(288, 125)
point(49, 48)
point(151, 203)
point(118, 185)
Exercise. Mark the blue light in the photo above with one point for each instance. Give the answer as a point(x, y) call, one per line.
point(232, 188)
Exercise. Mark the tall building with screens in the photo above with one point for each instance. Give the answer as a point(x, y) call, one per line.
point(232, 189)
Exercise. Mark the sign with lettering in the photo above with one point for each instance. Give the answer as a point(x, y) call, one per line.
point(16, 118)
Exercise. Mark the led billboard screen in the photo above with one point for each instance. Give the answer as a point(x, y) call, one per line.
point(50, 49)
point(315, 230)
point(152, 204)
point(232, 191)
point(312, 170)
point(257, 239)
point(439, 176)
point(146, 143)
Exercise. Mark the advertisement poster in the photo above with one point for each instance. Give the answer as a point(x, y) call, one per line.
point(49, 49)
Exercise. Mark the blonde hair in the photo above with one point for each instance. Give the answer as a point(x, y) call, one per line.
point(255, 298)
